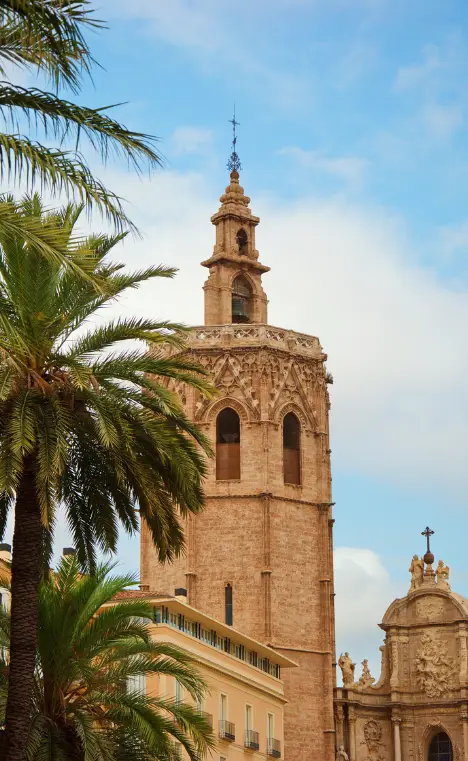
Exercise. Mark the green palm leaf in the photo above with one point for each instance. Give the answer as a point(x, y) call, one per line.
point(98, 433)
point(89, 649)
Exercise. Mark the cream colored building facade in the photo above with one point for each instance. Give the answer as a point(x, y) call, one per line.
point(259, 557)
point(245, 698)
point(418, 709)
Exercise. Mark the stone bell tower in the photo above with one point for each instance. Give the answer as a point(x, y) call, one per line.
point(260, 555)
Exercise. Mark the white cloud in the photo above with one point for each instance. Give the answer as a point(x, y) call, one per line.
point(394, 333)
point(443, 121)
point(437, 87)
point(454, 239)
point(364, 591)
point(348, 168)
point(409, 77)
point(190, 140)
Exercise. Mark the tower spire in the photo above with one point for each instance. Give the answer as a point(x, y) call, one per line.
point(234, 164)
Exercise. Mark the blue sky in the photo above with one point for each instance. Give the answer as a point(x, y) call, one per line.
point(353, 138)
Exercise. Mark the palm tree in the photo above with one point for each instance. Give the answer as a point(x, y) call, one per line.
point(90, 653)
point(96, 432)
point(47, 37)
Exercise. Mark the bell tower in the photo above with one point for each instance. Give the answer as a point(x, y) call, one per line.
point(259, 557)
point(234, 261)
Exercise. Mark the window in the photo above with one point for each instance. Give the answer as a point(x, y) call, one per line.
point(227, 445)
point(440, 748)
point(178, 691)
point(291, 449)
point(228, 612)
point(241, 300)
point(136, 684)
point(242, 240)
point(248, 718)
point(270, 726)
point(223, 707)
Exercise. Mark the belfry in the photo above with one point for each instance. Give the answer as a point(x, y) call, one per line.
point(259, 557)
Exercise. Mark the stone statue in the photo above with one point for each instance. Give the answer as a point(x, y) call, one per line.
point(442, 573)
point(341, 754)
point(416, 570)
point(366, 678)
point(347, 669)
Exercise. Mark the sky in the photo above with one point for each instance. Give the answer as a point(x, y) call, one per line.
point(353, 141)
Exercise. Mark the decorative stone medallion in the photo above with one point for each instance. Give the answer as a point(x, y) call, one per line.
point(429, 609)
point(372, 735)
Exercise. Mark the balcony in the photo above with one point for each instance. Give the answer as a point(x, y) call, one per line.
point(252, 741)
point(227, 730)
point(273, 748)
point(208, 717)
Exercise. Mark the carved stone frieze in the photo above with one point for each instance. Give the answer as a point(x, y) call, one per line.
point(430, 608)
point(261, 377)
point(433, 667)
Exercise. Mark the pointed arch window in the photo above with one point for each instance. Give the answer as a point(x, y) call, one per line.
point(440, 748)
point(242, 241)
point(241, 300)
point(227, 445)
point(291, 449)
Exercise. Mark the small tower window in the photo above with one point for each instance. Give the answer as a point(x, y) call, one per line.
point(242, 241)
point(291, 449)
point(227, 445)
point(228, 604)
point(241, 300)
point(440, 748)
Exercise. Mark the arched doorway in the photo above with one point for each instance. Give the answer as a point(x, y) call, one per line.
point(440, 748)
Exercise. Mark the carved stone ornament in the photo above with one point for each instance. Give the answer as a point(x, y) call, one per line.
point(429, 609)
point(366, 678)
point(372, 735)
point(433, 666)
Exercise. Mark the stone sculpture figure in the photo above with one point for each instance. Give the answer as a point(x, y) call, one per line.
point(366, 678)
point(347, 669)
point(341, 754)
point(416, 570)
point(442, 573)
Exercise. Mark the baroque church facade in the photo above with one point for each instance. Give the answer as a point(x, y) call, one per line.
point(259, 558)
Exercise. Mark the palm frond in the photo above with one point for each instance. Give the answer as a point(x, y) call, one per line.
point(59, 171)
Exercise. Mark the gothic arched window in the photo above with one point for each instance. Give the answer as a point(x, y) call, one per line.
point(440, 748)
point(242, 241)
point(227, 445)
point(291, 449)
point(241, 300)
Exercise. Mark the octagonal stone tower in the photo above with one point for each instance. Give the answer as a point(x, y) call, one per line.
point(260, 555)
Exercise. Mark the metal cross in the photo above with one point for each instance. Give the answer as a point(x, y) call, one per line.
point(234, 161)
point(427, 533)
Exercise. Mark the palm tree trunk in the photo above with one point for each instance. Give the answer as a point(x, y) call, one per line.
point(26, 574)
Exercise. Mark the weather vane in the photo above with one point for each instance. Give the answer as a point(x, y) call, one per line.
point(234, 161)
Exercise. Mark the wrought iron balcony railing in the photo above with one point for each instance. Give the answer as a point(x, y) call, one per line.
point(273, 747)
point(227, 730)
point(252, 740)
